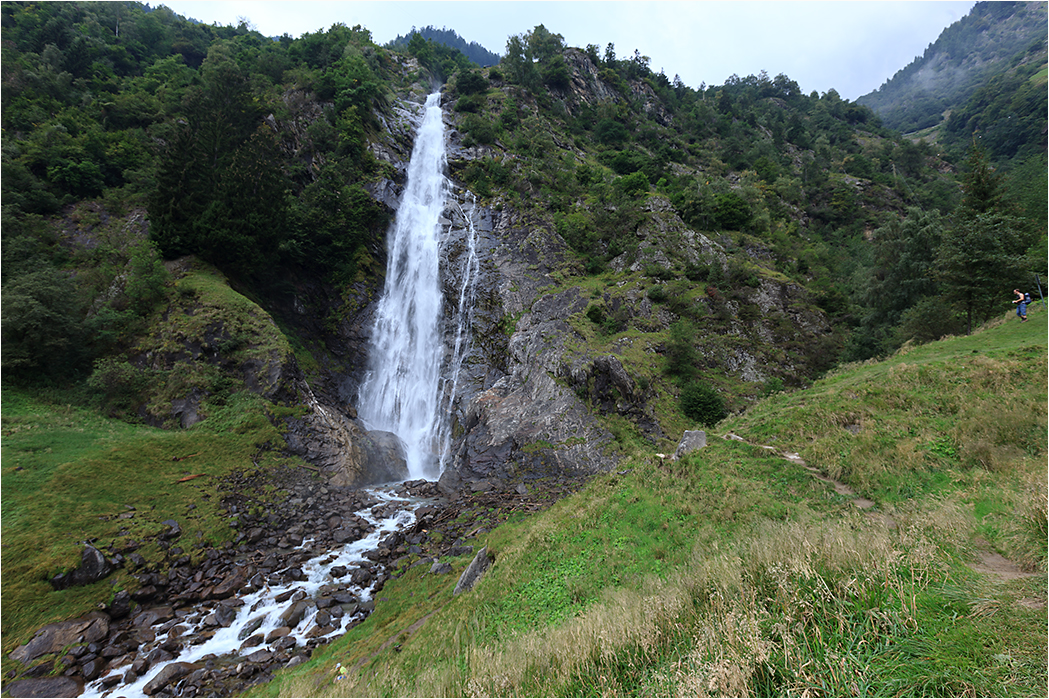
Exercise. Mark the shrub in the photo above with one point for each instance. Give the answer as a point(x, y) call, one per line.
point(701, 403)
point(697, 272)
point(480, 130)
point(772, 385)
point(470, 83)
point(680, 353)
point(657, 293)
point(634, 184)
point(472, 103)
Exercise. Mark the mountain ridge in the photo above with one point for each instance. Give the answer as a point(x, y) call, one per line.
point(958, 63)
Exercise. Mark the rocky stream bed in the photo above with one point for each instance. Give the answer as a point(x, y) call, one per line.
point(290, 550)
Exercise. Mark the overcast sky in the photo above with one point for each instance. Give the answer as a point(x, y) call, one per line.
point(852, 47)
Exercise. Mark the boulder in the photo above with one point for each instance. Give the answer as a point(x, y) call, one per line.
point(156, 615)
point(53, 637)
point(120, 607)
point(691, 440)
point(45, 687)
point(477, 568)
point(440, 568)
point(93, 567)
point(168, 674)
point(349, 455)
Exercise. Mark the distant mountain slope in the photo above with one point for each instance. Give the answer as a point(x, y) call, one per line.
point(967, 54)
point(447, 37)
point(1007, 112)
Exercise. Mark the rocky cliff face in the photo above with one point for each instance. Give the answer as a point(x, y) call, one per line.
point(533, 383)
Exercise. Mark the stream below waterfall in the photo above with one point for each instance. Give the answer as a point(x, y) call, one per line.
point(275, 616)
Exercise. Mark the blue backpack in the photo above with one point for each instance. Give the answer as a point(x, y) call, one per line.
point(1027, 298)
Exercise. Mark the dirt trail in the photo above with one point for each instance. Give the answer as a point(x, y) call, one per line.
point(839, 487)
point(990, 563)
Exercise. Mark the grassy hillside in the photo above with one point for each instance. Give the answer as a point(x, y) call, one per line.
point(74, 475)
point(737, 571)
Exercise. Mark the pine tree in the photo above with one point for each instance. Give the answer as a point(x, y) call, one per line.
point(981, 256)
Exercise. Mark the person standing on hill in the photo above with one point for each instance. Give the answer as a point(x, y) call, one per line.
point(1021, 305)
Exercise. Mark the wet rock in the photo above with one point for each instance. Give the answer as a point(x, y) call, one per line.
point(361, 576)
point(251, 642)
point(285, 643)
point(168, 674)
point(260, 656)
point(279, 632)
point(293, 614)
point(251, 627)
point(230, 584)
point(154, 616)
point(349, 455)
point(221, 616)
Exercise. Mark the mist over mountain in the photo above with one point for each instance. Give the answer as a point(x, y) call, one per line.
point(990, 40)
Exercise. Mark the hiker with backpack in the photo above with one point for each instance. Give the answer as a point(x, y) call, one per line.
point(1021, 302)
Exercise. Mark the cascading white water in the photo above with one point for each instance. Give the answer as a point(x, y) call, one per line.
point(402, 391)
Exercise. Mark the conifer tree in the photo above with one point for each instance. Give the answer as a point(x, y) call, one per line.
point(981, 256)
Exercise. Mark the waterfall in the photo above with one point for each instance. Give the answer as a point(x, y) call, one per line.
point(406, 388)
point(463, 321)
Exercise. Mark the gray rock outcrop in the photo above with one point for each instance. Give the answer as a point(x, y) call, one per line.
point(477, 568)
point(346, 453)
point(691, 440)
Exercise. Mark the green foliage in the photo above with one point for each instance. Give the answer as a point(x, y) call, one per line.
point(681, 355)
point(975, 258)
point(702, 403)
point(772, 385)
point(633, 185)
point(901, 276)
point(534, 58)
point(984, 247)
point(449, 38)
point(42, 330)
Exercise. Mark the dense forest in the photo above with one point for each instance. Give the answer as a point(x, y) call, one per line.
point(252, 154)
point(477, 54)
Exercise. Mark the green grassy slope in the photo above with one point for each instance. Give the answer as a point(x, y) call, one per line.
point(736, 571)
point(72, 476)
